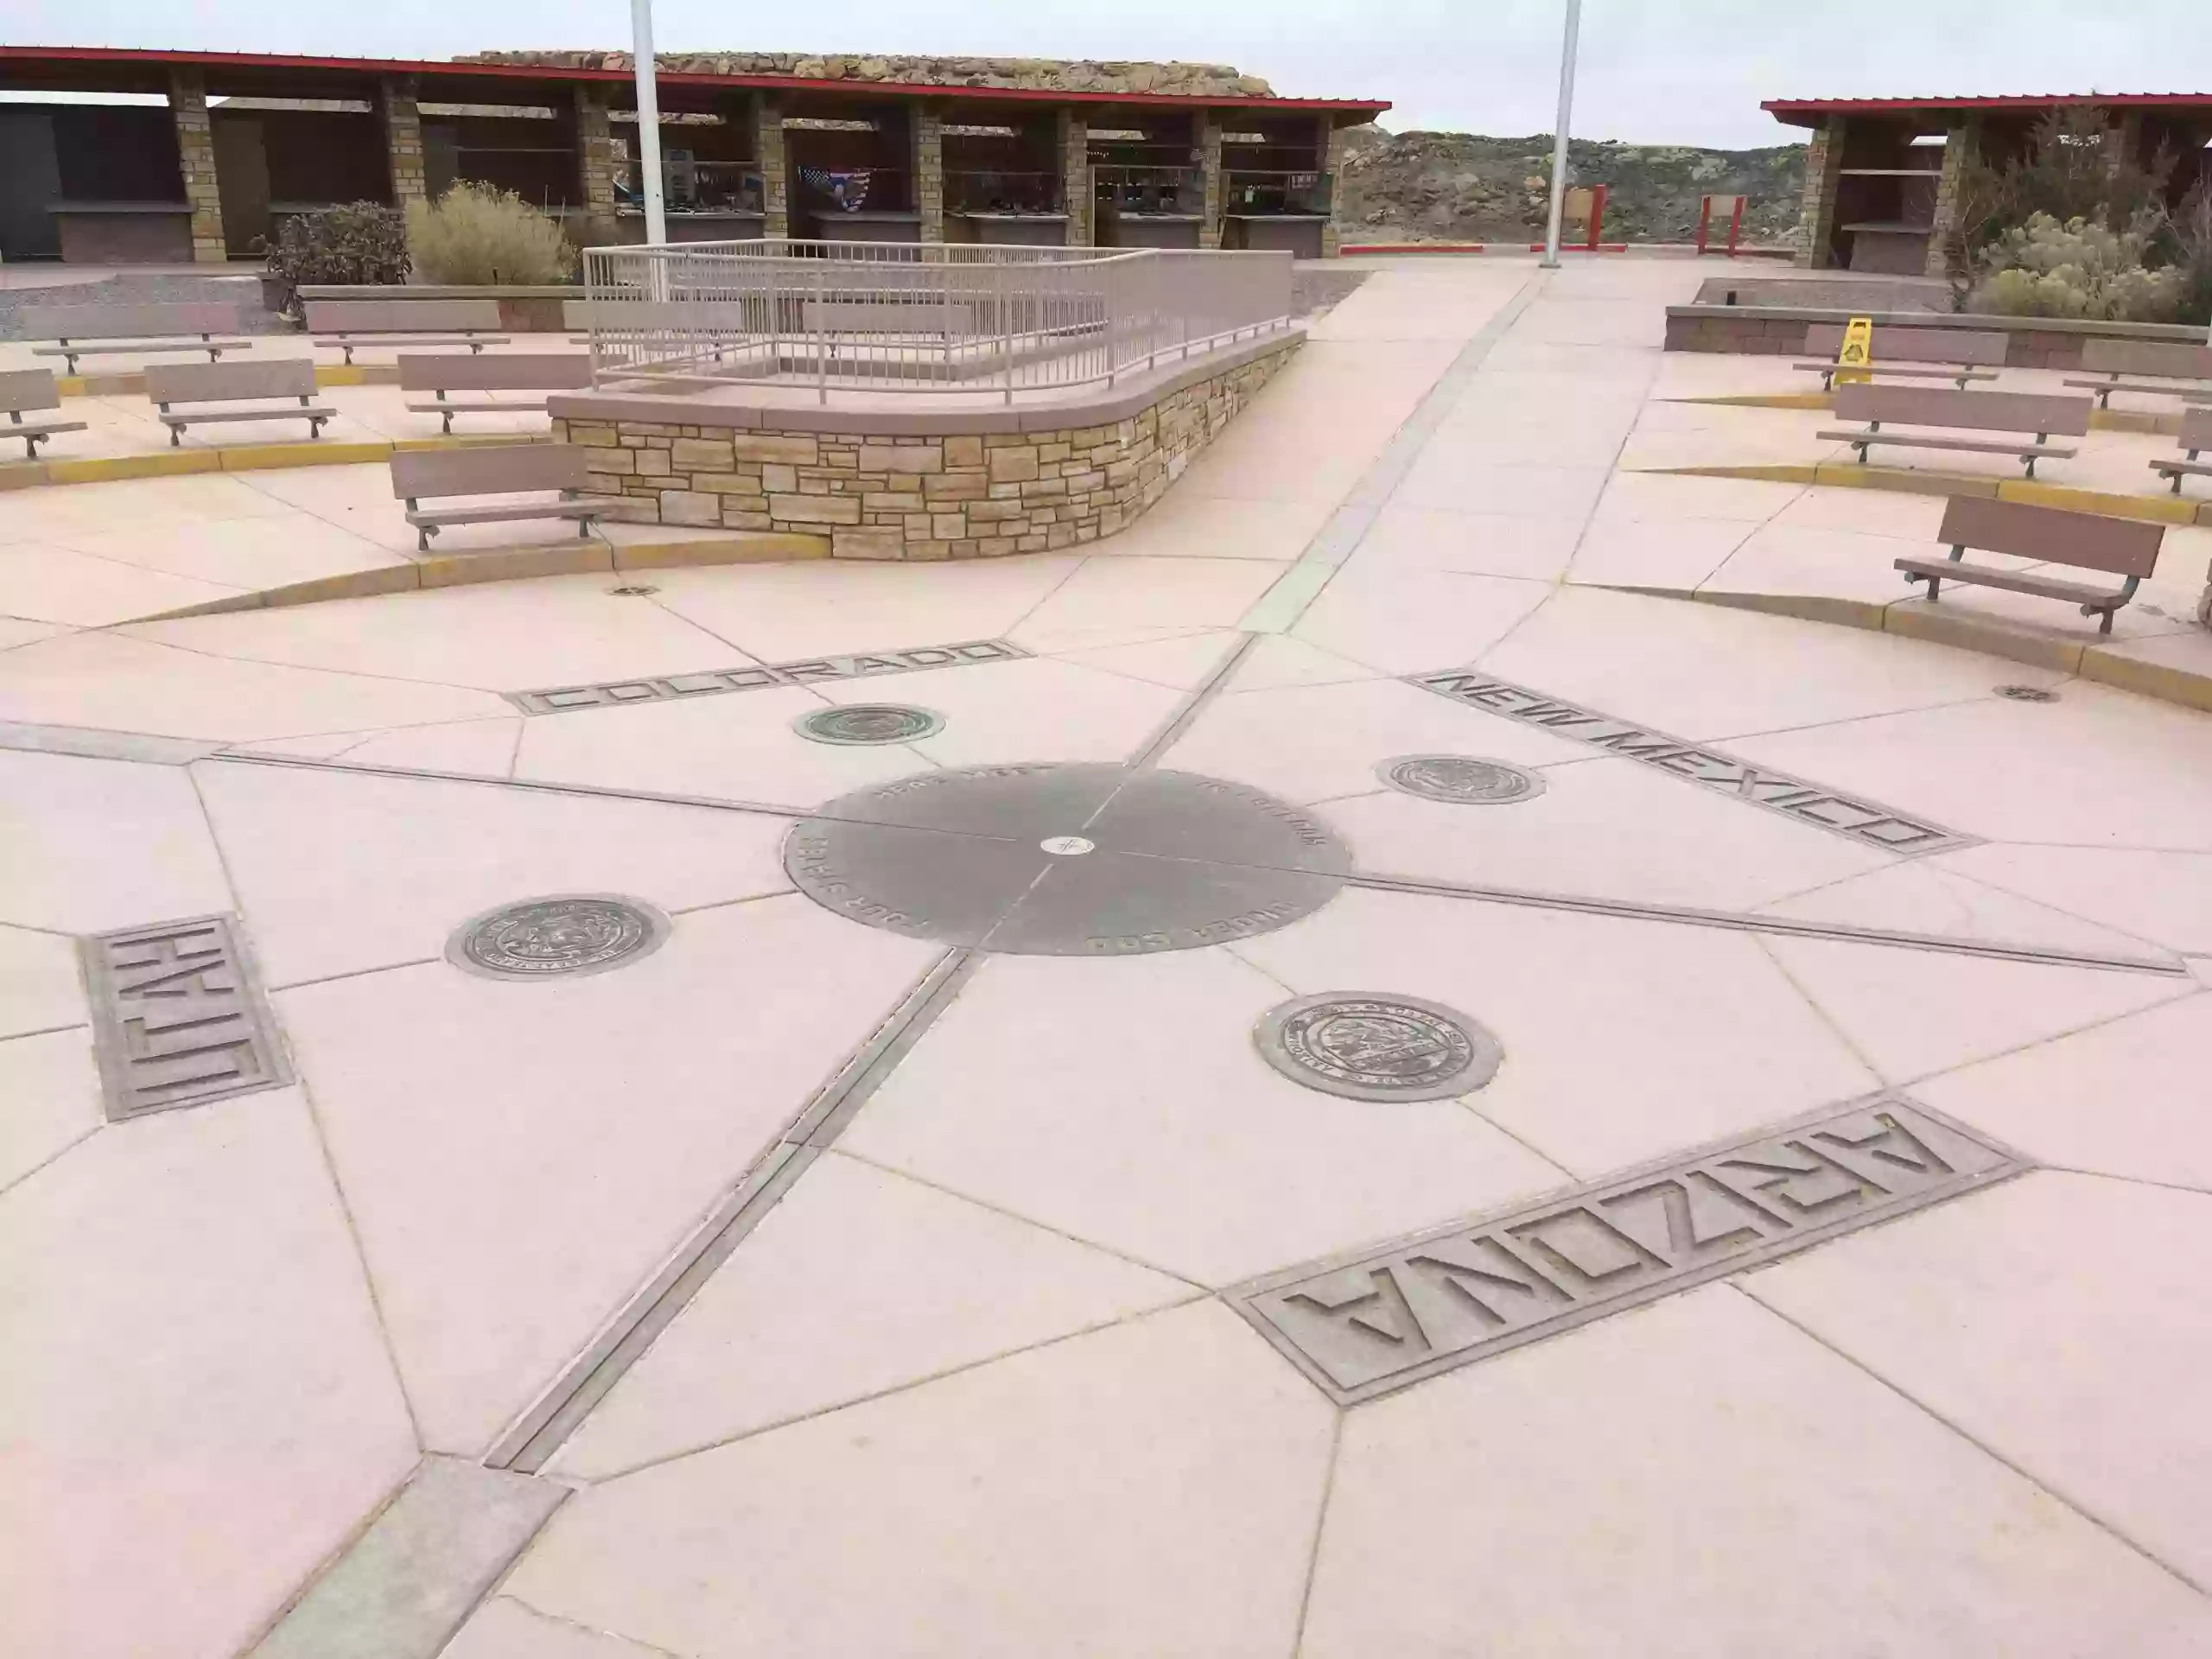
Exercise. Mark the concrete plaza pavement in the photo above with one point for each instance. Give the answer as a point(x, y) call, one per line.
point(972, 1371)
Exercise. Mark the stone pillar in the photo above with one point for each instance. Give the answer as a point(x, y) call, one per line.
point(1331, 151)
point(595, 224)
point(1208, 137)
point(195, 149)
point(929, 170)
point(1078, 200)
point(2124, 141)
point(768, 152)
point(1823, 175)
point(402, 141)
point(1958, 146)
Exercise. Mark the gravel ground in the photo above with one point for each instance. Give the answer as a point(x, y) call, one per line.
point(243, 292)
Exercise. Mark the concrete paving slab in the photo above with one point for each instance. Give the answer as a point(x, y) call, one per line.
point(197, 1383)
point(1177, 1517)
point(1642, 1516)
point(859, 1282)
point(2000, 1289)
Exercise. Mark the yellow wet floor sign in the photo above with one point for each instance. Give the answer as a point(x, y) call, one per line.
point(1857, 350)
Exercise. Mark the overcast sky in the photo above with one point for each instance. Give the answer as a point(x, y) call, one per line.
point(1653, 71)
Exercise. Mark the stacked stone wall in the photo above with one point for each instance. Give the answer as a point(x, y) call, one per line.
point(942, 496)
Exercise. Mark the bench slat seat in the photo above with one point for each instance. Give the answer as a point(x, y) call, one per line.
point(494, 469)
point(1862, 442)
point(500, 512)
point(2124, 547)
point(1894, 371)
point(2017, 581)
point(450, 407)
point(443, 373)
point(235, 391)
point(347, 324)
point(2168, 368)
point(1953, 411)
point(346, 343)
point(2196, 438)
point(24, 389)
point(148, 330)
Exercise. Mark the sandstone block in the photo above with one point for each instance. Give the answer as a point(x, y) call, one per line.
point(793, 448)
point(815, 509)
point(689, 507)
point(699, 454)
point(901, 458)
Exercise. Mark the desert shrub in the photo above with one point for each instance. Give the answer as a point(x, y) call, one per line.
point(2077, 269)
point(2069, 169)
point(359, 242)
point(2191, 229)
point(477, 233)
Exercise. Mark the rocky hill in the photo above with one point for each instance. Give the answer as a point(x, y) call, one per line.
point(1458, 187)
point(1027, 74)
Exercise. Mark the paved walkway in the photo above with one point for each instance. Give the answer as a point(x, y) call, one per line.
point(846, 1269)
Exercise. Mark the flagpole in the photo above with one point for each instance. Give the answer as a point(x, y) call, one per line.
point(1559, 133)
point(641, 31)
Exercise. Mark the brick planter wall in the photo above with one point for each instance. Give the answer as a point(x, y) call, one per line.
point(2033, 343)
point(943, 495)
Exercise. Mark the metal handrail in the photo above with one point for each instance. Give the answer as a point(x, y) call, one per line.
point(979, 319)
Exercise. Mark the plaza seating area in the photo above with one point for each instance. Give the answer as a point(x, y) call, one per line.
point(1474, 1009)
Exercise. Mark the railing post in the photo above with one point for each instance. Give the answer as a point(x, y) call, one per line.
point(1006, 333)
point(820, 333)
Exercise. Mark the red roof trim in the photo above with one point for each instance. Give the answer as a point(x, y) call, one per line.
point(546, 72)
point(1788, 107)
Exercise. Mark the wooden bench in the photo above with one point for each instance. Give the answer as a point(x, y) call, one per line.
point(2121, 365)
point(146, 330)
point(29, 389)
point(420, 475)
point(2123, 547)
point(1911, 354)
point(213, 388)
point(2041, 413)
point(452, 371)
point(2196, 438)
point(349, 323)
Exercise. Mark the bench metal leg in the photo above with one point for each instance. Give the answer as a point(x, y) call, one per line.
point(448, 423)
point(314, 428)
point(175, 433)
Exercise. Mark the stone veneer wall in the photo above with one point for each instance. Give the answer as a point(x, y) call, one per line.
point(946, 496)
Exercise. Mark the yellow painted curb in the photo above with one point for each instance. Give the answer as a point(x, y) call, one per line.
point(1918, 620)
point(1780, 473)
point(266, 456)
point(106, 469)
point(2159, 509)
point(1848, 475)
point(516, 565)
point(1762, 400)
point(237, 458)
point(2164, 508)
point(130, 383)
point(2159, 680)
point(1991, 637)
point(759, 547)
